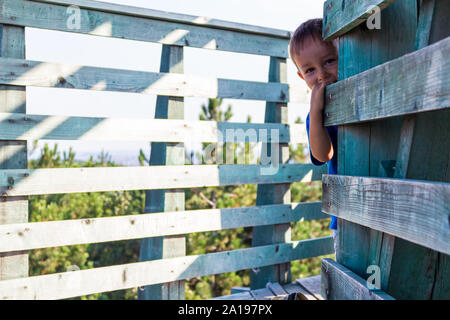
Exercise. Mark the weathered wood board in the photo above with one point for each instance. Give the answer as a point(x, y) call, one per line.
point(340, 283)
point(109, 20)
point(374, 149)
point(16, 126)
point(77, 283)
point(19, 182)
point(417, 211)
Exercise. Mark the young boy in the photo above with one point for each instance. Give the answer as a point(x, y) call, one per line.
point(317, 63)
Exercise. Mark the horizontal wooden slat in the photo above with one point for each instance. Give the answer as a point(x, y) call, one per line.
point(27, 236)
point(169, 16)
point(417, 211)
point(340, 283)
point(94, 20)
point(16, 182)
point(47, 74)
point(312, 285)
point(416, 82)
point(83, 282)
point(340, 16)
point(14, 126)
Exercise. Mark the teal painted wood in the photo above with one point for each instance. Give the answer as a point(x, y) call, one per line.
point(55, 286)
point(441, 13)
point(27, 236)
point(46, 74)
point(170, 17)
point(16, 126)
point(341, 16)
point(353, 141)
point(426, 11)
point(427, 162)
point(112, 24)
point(272, 194)
point(413, 83)
point(13, 154)
point(166, 200)
point(340, 283)
point(415, 210)
point(422, 263)
point(17, 182)
point(359, 51)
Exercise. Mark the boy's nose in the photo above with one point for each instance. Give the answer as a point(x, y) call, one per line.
point(321, 75)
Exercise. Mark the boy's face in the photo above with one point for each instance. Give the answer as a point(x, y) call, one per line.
point(317, 62)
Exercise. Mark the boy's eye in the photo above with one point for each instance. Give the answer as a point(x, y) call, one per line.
point(330, 61)
point(309, 70)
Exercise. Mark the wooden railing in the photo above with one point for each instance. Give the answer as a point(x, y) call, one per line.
point(166, 176)
point(392, 191)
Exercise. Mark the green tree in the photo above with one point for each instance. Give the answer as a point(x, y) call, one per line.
point(79, 206)
point(105, 204)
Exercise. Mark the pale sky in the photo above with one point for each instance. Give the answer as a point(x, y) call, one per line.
point(45, 45)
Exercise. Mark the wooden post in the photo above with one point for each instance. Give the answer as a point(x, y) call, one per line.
point(13, 154)
point(404, 149)
point(164, 153)
point(273, 193)
point(363, 149)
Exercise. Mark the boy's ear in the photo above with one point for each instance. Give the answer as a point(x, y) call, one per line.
point(300, 75)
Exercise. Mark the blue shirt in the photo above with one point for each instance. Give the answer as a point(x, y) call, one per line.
point(332, 164)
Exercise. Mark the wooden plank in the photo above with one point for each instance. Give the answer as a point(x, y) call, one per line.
point(144, 28)
point(375, 93)
point(16, 126)
point(341, 16)
point(239, 290)
point(340, 283)
point(276, 193)
point(302, 294)
point(385, 249)
point(25, 236)
point(77, 283)
point(18, 182)
point(417, 211)
point(48, 74)
point(169, 16)
point(363, 148)
point(276, 288)
point(427, 162)
point(166, 200)
point(312, 285)
point(262, 294)
point(13, 154)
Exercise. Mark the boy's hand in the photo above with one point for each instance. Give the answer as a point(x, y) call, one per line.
point(318, 98)
point(319, 140)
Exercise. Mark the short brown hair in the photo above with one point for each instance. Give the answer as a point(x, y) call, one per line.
point(308, 29)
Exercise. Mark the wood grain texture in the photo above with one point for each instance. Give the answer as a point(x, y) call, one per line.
point(21, 72)
point(340, 283)
point(77, 283)
point(341, 16)
point(103, 19)
point(16, 126)
point(13, 154)
point(417, 211)
point(169, 16)
point(427, 162)
point(274, 193)
point(16, 236)
point(416, 82)
point(166, 200)
point(18, 182)
point(369, 148)
point(312, 285)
